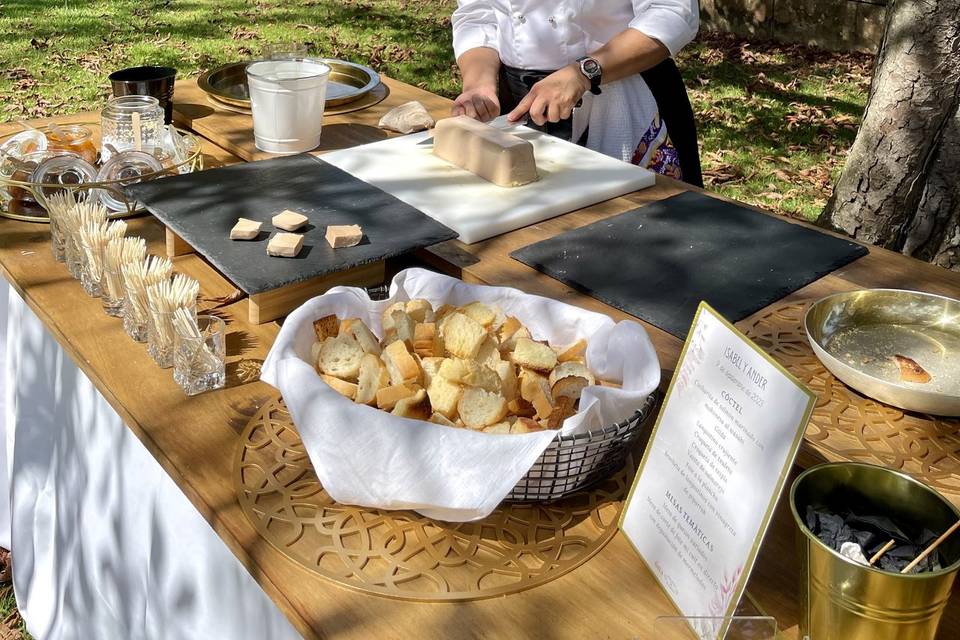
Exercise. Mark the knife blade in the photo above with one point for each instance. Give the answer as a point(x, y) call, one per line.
point(500, 122)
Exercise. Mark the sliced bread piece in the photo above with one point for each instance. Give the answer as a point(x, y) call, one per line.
point(420, 310)
point(510, 343)
point(479, 408)
point(507, 372)
point(373, 377)
point(525, 425)
point(387, 319)
point(364, 337)
point(405, 327)
point(439, 418)
point(340, 357)
point(575, 352)
point(502, 428)
point(462, 335)
point(489, 352)
point(521, 408)
point(424, 339)
point(344, 388)
point(326, 327)
point(388, 397)
point(416, 406)
point(534, 355)
point(508, 328)
point(444, 396)
point(400, 364)
point(535, 389)
point(431, 368)
point(470, 373)
point(479, 312)
point(571, 369)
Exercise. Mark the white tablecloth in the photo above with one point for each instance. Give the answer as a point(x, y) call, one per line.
point(106, 546)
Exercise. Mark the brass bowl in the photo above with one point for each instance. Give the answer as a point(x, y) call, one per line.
point(348, 82)
point(857, 334)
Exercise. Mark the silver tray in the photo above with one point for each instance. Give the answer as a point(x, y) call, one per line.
point(348, 82)
point(858, 334)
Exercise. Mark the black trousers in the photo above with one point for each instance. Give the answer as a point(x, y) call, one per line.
point(666, 85)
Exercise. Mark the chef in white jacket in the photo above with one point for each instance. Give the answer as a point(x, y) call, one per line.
point(574, 67)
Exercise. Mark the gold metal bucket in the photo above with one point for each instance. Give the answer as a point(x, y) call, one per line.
point(843, 600)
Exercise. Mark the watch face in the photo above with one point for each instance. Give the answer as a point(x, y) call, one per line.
point(590, 67)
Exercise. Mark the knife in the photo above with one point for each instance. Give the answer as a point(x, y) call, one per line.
point(500, 122)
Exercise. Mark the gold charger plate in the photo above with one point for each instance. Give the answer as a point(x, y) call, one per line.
point(348, 82)
point(402, 554)
point(858, 335)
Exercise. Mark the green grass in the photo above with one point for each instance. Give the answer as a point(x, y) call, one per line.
point(9, 615)
point(775, 120)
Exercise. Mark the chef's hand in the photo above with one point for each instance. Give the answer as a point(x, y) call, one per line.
point(480, 103)
point(553, 98)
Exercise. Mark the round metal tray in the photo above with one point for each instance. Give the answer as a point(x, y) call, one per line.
point(348, 82)
point(857, 334)
point(194, 162)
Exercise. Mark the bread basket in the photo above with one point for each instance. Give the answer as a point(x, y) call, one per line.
point(574, 462)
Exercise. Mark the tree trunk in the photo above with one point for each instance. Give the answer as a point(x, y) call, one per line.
point(934, 233)
point(899, 186)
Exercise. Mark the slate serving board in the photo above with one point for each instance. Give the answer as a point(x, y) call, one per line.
point(202, 207)
point(659, 261)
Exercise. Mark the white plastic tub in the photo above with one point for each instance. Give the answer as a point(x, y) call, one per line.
point(287, 98)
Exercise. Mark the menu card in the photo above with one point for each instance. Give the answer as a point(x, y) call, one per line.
point(717, 461)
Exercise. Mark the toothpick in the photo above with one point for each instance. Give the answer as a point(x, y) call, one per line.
point(933, 545)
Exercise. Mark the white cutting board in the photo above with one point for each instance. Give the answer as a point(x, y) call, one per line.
point(571, 177)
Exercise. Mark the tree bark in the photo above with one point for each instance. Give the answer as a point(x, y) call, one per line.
point(934, 232)
point(896, 182)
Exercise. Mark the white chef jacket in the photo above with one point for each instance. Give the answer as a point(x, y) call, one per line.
point(548, 35)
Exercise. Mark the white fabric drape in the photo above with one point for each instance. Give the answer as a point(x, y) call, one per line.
point(105, 544)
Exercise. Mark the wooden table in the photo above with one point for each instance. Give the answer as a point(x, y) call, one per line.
point(612, 595)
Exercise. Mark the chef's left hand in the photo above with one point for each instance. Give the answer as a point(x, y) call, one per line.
point(553, 98)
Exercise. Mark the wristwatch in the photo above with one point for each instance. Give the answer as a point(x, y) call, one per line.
point(590, 68)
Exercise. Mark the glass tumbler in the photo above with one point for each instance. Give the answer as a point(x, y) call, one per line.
point(199, 360)
point(130, 122)
point(73, 254)
point(90, 274)
point(114, 293)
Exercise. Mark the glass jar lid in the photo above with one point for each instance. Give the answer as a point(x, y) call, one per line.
point(127, 167)
point(22, 144)
point(64, 170)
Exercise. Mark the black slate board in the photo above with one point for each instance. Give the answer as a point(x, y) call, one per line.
point(659, 261)
point(202, 207)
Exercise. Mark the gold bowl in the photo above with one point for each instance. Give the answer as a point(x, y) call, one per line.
point(860, 336)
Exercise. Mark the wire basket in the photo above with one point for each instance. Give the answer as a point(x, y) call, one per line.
point(193, 162)
point(573, 462)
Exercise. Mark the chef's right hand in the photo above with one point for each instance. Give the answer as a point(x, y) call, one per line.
point(480, 103)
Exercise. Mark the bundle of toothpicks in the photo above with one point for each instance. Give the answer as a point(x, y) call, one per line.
point(164, 298)
point(80, 215)
point(119, 253)
point(58, 205)
point(138, 277)
point(94, 237)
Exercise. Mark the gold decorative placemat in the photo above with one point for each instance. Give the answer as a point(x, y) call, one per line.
point(849, 426)
point(402, 554)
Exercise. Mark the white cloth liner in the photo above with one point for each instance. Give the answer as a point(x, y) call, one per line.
point(617, 118)
point(367, 457)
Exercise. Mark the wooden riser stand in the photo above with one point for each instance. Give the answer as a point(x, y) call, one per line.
point(277, 303)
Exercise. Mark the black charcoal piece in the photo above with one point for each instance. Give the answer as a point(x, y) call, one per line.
point(202, 207)
point(659, 261)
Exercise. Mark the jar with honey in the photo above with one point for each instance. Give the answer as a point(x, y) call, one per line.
point(75, 138)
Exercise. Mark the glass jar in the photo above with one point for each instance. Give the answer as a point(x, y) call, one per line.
point(130, 122)
point(75, 138)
